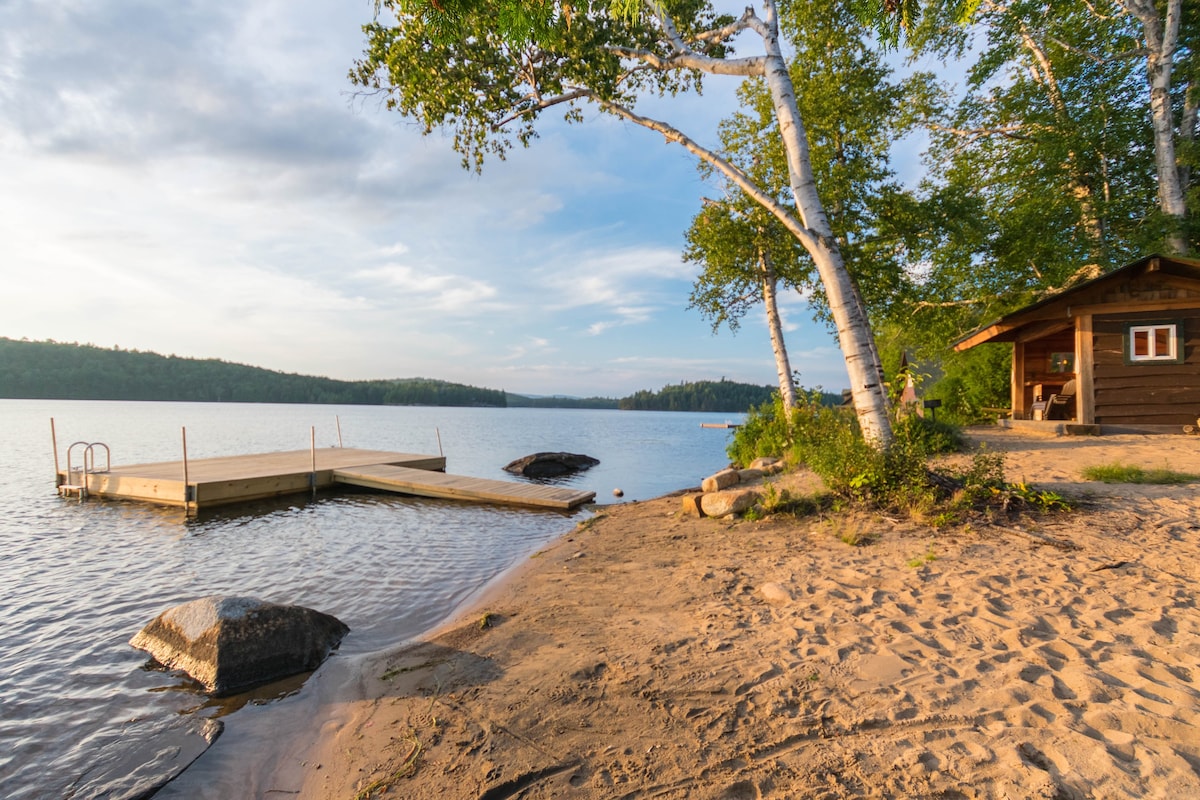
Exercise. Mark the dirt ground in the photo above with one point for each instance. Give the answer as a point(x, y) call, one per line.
point(652, 655)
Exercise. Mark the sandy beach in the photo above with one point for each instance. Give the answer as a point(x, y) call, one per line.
point(652, 655)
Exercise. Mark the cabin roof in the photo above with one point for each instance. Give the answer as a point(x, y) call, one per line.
point(1009, 327)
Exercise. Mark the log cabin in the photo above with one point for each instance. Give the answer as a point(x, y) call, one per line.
point(1121, 350)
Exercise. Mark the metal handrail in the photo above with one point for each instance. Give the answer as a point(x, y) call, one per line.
point(90, 458)
point(88, 467)
point(70, 450)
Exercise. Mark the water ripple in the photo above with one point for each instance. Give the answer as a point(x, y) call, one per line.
point(81, 579)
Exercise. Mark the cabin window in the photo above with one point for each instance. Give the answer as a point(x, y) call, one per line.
point(1062, 362)
point(1158, 342)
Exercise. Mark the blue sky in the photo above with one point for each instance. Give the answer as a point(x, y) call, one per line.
point(195, 178)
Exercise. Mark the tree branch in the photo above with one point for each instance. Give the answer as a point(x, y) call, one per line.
point(684, 57)
point(1141, 52)
point(1007, 131)
point(970, 301)
point(540, 104)
point(752, 190)
point(717, 35)
point(752, 65)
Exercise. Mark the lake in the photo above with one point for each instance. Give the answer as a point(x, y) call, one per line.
point(80, 579)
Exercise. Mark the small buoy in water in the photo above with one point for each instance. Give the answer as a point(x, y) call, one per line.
point(618, 493)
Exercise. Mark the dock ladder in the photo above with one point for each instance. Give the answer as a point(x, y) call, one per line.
point(76, 481)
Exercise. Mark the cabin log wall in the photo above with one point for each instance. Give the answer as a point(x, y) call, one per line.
point(1146, 393)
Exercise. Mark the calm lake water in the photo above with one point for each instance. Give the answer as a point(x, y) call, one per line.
point(79, 580)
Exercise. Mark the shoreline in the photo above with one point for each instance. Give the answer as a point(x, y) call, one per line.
point(261, 759)
point(648, 654)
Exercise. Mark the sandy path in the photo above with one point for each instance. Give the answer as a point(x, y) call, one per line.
point(649, 655)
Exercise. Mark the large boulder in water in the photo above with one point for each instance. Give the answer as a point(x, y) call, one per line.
point(550, 465)
point(232, 643)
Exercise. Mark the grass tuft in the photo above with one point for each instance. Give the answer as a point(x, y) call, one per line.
point(1124, 473)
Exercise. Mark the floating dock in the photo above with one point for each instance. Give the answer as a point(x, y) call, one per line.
point(205, 483)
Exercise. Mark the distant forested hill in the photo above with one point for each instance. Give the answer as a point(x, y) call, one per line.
point(559, 401)
point(51, 370)
point(720, 396)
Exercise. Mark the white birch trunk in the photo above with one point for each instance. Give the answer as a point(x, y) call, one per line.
point(783, 366)
point(854, 331)
point(1162, 38)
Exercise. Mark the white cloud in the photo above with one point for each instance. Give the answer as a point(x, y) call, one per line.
point(427, 291)
point(197, 178)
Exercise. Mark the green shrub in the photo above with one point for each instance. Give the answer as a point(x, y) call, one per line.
point(984, 487)
point(828, 441)
point(763, 433)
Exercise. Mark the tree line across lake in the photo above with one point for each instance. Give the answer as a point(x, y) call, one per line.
point(68, 371)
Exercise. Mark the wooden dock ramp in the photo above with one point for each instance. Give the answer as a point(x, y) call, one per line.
point(424, 483)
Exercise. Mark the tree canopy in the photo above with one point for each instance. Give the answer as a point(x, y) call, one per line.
point(719, 396)
point(489, 84)
point(1041, 168)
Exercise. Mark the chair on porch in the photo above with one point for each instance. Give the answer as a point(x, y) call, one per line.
point(1062, 404)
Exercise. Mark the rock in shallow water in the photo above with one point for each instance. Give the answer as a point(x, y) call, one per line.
point(550, 465)
point(232, 643)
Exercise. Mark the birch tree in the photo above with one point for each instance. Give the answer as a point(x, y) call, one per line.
point(1051, 139)
point(1080, 81)
point(855, 111)
point(740, 247)
point(1170, 35)
point(490, 84)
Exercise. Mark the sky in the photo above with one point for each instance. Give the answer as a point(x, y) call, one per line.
point(199, 179)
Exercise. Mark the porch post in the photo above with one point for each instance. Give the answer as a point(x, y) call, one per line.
point(1018, 381)
point(1085, 389)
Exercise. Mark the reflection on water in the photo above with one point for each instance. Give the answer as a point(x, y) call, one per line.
point(81, 579)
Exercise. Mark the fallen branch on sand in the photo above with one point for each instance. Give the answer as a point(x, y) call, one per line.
point(407, 769)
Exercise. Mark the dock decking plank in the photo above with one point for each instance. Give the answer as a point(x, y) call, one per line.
point(460, 487)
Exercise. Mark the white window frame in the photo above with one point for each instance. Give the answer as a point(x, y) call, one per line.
point(1151, 332)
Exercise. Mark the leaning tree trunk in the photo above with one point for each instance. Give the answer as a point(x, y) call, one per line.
point(849, 316)
point(812, 230)
point(787, 389)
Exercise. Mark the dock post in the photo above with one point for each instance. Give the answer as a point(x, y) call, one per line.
point(186, 489)
point(312, 478)
point(54, 444)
